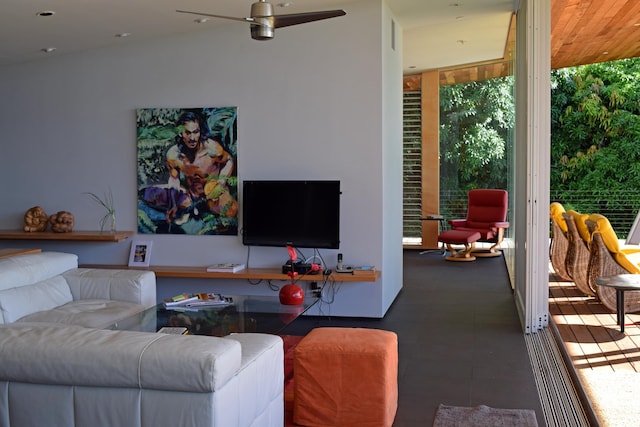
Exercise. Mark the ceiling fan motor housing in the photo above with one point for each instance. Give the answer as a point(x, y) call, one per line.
point(262, 13)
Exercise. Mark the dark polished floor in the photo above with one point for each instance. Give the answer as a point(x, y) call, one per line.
point(459, 338)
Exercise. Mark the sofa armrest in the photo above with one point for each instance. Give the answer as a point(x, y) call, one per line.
point(134, 286)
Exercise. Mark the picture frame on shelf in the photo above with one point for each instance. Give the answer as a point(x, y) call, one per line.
point(140, 254)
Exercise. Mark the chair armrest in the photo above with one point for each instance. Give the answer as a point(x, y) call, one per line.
point(138, 287)
point(457, 222)
point(501, 224)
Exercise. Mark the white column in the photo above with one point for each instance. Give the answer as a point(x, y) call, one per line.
point(533, 65)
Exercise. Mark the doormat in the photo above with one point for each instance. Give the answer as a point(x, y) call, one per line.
point(457, 416)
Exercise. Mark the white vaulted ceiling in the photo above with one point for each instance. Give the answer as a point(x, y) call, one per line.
point(437, 33)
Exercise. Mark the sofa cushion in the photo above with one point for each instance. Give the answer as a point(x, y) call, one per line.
point(28, 269)
point(90, 313)
point(79, 356)
point(21, 301)
point(122, 285)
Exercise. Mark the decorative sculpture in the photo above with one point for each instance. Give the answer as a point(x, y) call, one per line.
point(291, 294)
point(62, 222)
point(35, 219)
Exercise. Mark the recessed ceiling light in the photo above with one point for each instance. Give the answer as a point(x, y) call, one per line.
point(201, 20)
point(460, 42)
point(123, 35)
point(46, 13)
point(412, 66)
point(606, 52)
point(48, 49)
point(459, 18)
point(285, 4)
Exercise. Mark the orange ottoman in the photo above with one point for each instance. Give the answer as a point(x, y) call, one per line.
point(346, 377)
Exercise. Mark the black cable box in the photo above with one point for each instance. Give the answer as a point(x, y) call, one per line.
point(298, 267)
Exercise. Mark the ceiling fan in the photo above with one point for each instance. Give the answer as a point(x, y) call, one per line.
point(263, 22)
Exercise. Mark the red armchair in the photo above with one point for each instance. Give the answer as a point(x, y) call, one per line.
point(486, 214)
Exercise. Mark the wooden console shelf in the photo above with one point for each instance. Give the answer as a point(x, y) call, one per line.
point(80, 236)
point(246, 274)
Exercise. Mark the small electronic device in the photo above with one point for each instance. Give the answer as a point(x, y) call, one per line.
point(342, 268)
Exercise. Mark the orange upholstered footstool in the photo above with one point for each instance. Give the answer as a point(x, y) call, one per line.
point(346, 377)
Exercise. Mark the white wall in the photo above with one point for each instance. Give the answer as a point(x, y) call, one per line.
point(317, 102)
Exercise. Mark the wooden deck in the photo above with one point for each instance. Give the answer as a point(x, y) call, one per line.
point(590, 333)
point(606, 361)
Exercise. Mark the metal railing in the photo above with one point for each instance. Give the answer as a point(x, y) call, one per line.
point(620, 208)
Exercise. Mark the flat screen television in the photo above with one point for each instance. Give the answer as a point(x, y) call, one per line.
point(302, 214)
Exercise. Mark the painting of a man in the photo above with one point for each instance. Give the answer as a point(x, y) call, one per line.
point(187, 182)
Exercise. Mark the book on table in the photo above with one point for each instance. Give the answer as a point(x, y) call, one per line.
point(194, 301)
point(363, 269)
point(225, 267)
point(180, 300)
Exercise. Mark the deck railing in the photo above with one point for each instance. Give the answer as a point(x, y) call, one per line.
point(620, 207)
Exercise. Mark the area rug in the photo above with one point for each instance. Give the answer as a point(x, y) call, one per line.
point(613, 395)
point(457, 416)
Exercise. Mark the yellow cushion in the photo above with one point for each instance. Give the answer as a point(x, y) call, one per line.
point(555, 213)
point(581, 225)
point(625, 263)
point(606, 231)
point(610, 240)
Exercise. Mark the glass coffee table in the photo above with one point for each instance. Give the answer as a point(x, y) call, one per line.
point(262, 314)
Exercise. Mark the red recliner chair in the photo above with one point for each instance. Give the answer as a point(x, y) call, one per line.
point(486, 214)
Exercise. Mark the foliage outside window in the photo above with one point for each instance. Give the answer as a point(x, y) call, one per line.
point(595, 140)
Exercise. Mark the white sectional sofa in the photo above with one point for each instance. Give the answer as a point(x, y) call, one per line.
point(49, 287)
point(59, 367)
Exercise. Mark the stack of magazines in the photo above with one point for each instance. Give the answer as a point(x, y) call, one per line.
point(199, 300)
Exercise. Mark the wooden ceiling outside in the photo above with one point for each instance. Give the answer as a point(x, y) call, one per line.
point(582, 32)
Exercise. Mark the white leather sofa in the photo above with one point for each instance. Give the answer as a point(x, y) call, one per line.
point(49, 287)
point(59, 367)
point(53, 375)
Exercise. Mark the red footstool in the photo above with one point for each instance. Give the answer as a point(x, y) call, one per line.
point(346, 377)
point(459, 237)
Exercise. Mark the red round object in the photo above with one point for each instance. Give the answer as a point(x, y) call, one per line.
point(291, 294)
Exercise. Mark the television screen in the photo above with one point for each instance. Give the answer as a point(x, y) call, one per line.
point(297, 213)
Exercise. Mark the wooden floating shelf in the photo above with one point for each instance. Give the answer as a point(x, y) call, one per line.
point(80, 236)
point(247, 274)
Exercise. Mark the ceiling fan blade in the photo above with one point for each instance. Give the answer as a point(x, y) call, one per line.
point(249, 20)
point(280, 21)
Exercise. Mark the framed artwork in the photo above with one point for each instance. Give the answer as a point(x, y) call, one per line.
point(187, 163)
point(140, 253)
